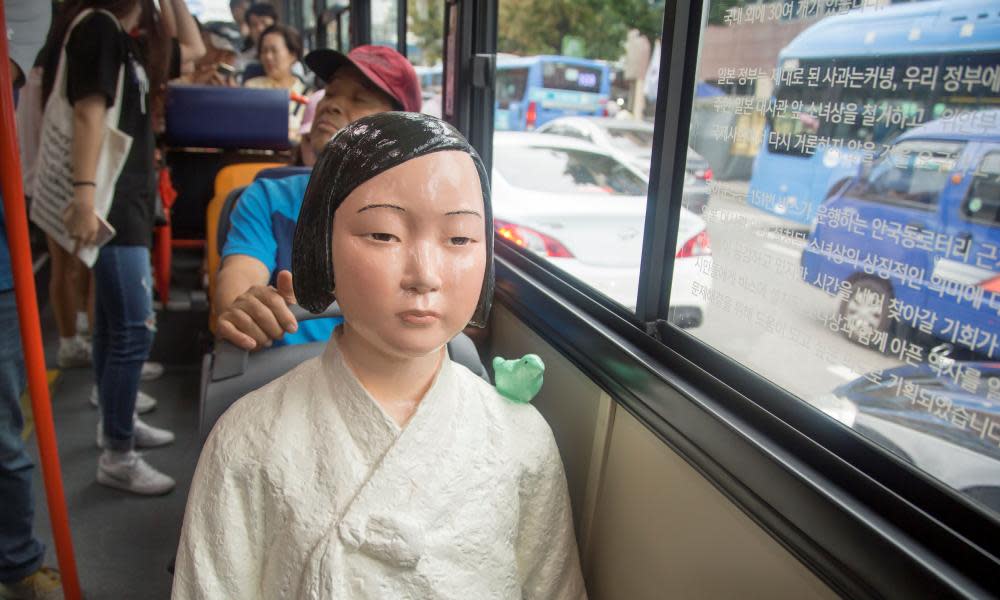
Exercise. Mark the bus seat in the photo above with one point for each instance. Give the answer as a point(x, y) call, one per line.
point(229, 178)
point(282, 172)
point(229, 373)
point(254, 69)
point(226, 118)
point(225, 215)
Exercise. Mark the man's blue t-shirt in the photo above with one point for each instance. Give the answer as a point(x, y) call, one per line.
point(262, 226)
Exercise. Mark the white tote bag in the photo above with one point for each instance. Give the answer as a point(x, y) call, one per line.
point(52, 187)
point(28, 117)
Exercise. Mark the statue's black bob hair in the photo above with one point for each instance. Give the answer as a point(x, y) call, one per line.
point(365, 148)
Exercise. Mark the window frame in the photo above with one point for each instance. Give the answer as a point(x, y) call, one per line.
point(866, 522)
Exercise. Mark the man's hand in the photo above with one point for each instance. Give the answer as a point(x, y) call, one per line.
point(260, 315)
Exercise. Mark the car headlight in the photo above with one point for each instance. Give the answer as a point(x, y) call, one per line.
point(838, 408)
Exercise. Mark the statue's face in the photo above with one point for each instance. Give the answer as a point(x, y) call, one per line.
point(409, 254)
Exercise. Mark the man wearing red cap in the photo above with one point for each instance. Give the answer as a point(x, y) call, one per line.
point(254, 283)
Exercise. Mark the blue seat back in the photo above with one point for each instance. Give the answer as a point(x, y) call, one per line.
point(227, 118)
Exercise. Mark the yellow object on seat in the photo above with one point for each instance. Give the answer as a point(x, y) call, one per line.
point(228, 178)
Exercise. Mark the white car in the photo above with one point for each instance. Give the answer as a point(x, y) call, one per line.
point(584, 210)
point(632, 141)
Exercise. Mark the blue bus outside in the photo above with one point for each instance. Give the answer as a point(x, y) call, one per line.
point(912, 244)
point(533, 90)
point(430, 78)
point(847, 86)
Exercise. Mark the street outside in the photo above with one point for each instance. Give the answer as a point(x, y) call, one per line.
point(773, 323)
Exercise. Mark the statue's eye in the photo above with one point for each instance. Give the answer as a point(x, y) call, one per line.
point(382, 237)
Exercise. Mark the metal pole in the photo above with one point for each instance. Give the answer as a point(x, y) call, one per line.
point(401, 27)
point(31, 330)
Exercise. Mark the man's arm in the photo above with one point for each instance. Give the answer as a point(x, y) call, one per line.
point(238, 274)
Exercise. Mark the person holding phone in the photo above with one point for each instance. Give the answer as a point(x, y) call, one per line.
point(98, 49)
point(217, 66)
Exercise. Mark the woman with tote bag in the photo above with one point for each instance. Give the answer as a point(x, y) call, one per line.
point(110, 55)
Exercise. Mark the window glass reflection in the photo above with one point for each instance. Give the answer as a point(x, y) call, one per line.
point(853, 216)
point(566, 171)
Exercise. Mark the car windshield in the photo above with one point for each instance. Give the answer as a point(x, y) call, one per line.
point(566, 171)
point(633, 141)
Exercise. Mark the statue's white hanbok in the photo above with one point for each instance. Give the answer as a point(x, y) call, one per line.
point(306, 488)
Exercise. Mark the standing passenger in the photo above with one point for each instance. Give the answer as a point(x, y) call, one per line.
point(97, 49)
point(258, 17)
point(22, 574)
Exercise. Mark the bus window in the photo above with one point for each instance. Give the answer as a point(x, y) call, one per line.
point(511, 84)
point(424, 32)
point(852, 219)
point(561, 76)
point(383, 15)
point(337, 20)
point(568, 168)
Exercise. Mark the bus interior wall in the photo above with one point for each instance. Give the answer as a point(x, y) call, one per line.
point(648, 524)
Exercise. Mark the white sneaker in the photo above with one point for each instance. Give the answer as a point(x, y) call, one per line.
point(132, 473)
point(151, 371)
point(143, 401)
point(143, 434)
point(73, 354)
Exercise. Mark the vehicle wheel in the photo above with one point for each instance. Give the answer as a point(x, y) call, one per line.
point(866, 311)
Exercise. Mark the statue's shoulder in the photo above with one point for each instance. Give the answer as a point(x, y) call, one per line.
point(520, 425)
point(261, 418)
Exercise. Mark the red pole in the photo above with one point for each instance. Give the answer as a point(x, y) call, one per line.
point(31, 330)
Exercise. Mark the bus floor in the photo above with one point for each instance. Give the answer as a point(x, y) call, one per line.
point(124, 543)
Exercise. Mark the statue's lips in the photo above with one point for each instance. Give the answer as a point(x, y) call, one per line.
point(419, 317)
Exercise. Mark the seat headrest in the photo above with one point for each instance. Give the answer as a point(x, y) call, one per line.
point(226, 118)
point(282, 172)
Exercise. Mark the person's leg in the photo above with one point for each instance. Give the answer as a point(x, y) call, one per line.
point(84, 279)
point(63, 295)
point(62, 292)
point(125, 326)
point(21, 553)
point(99, 339)
point(123, 277)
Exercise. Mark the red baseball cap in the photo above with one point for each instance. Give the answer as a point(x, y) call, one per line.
point(389, 70)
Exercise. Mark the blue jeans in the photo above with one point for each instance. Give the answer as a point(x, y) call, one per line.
point(123, 335)
point(20, 553)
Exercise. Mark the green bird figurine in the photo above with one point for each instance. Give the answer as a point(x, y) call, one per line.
point(519, 379)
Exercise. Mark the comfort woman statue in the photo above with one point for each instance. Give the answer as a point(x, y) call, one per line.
point(382, 469)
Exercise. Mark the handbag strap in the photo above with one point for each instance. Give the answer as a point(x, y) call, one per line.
point(114, 111)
